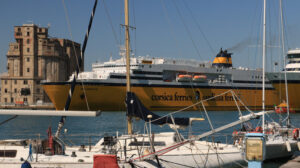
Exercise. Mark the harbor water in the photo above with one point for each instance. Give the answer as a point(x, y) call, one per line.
point(88, 130)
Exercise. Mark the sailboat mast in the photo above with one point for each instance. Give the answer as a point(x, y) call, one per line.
point(73, 84)
point(264, 66)
point(127, 45)
point(284, 59)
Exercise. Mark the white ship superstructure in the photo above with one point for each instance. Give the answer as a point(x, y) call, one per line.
point(293, 58)
point(103, 70)
point(167, 71)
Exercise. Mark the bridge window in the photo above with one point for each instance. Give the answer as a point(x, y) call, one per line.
point(293, 55)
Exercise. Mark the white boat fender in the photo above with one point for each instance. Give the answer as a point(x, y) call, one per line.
point(288, 146)
point(298, 144)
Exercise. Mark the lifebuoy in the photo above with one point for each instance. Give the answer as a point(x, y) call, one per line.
point(234, 133)
point(258, 129)
point(296, 133)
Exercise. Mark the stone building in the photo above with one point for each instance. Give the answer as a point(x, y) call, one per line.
point(33, 58)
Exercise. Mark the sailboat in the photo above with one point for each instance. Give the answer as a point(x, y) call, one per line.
point(281, 141)
point(163, 149)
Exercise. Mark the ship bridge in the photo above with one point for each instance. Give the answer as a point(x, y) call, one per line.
point(293, 58)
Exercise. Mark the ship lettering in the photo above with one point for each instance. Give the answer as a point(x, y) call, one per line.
point(182, 98)
point(163, 97)
point(213, 98)
point(177, 97)
point(228, 98)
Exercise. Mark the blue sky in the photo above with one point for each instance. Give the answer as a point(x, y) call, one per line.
point(186, 29)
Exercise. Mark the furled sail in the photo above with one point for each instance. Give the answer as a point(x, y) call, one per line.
point(136, 109)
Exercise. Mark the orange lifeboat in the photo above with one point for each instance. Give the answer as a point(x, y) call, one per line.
point(282, 108)
point(199, 78)
point(184, 78)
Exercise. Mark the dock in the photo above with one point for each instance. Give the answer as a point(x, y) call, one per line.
point(294, 162)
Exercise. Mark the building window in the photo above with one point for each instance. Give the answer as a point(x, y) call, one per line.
point(19, 29)
point(15, 90)
point(25, 99)
point(28, 59)
point(25, 91)
point(5, 90)
point(28, 69)
point(15, 81)
point(28, 49)
point(11, 99)
point(28, 34)
point(25, 82)
point(5, 82)
point(28, 41)
point(38, 90)
point(5, 100)
point(38, 82)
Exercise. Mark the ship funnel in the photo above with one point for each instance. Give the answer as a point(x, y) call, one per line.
point(223, 59)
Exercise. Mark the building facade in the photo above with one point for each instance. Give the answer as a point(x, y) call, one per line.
point(33, 58)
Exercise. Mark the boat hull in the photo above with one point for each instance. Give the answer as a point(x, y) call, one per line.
point(201, 155)
point(111, 97)
point(278, 150)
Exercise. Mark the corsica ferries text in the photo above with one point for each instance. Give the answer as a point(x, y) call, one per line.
point(195, 97)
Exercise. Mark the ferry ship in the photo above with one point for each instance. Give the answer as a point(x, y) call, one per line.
point(293, 80)
point(164, 84)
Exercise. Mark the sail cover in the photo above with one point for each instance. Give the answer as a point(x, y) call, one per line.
point(136, 109)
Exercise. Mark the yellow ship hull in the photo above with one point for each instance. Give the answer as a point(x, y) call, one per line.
point(112, 98)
